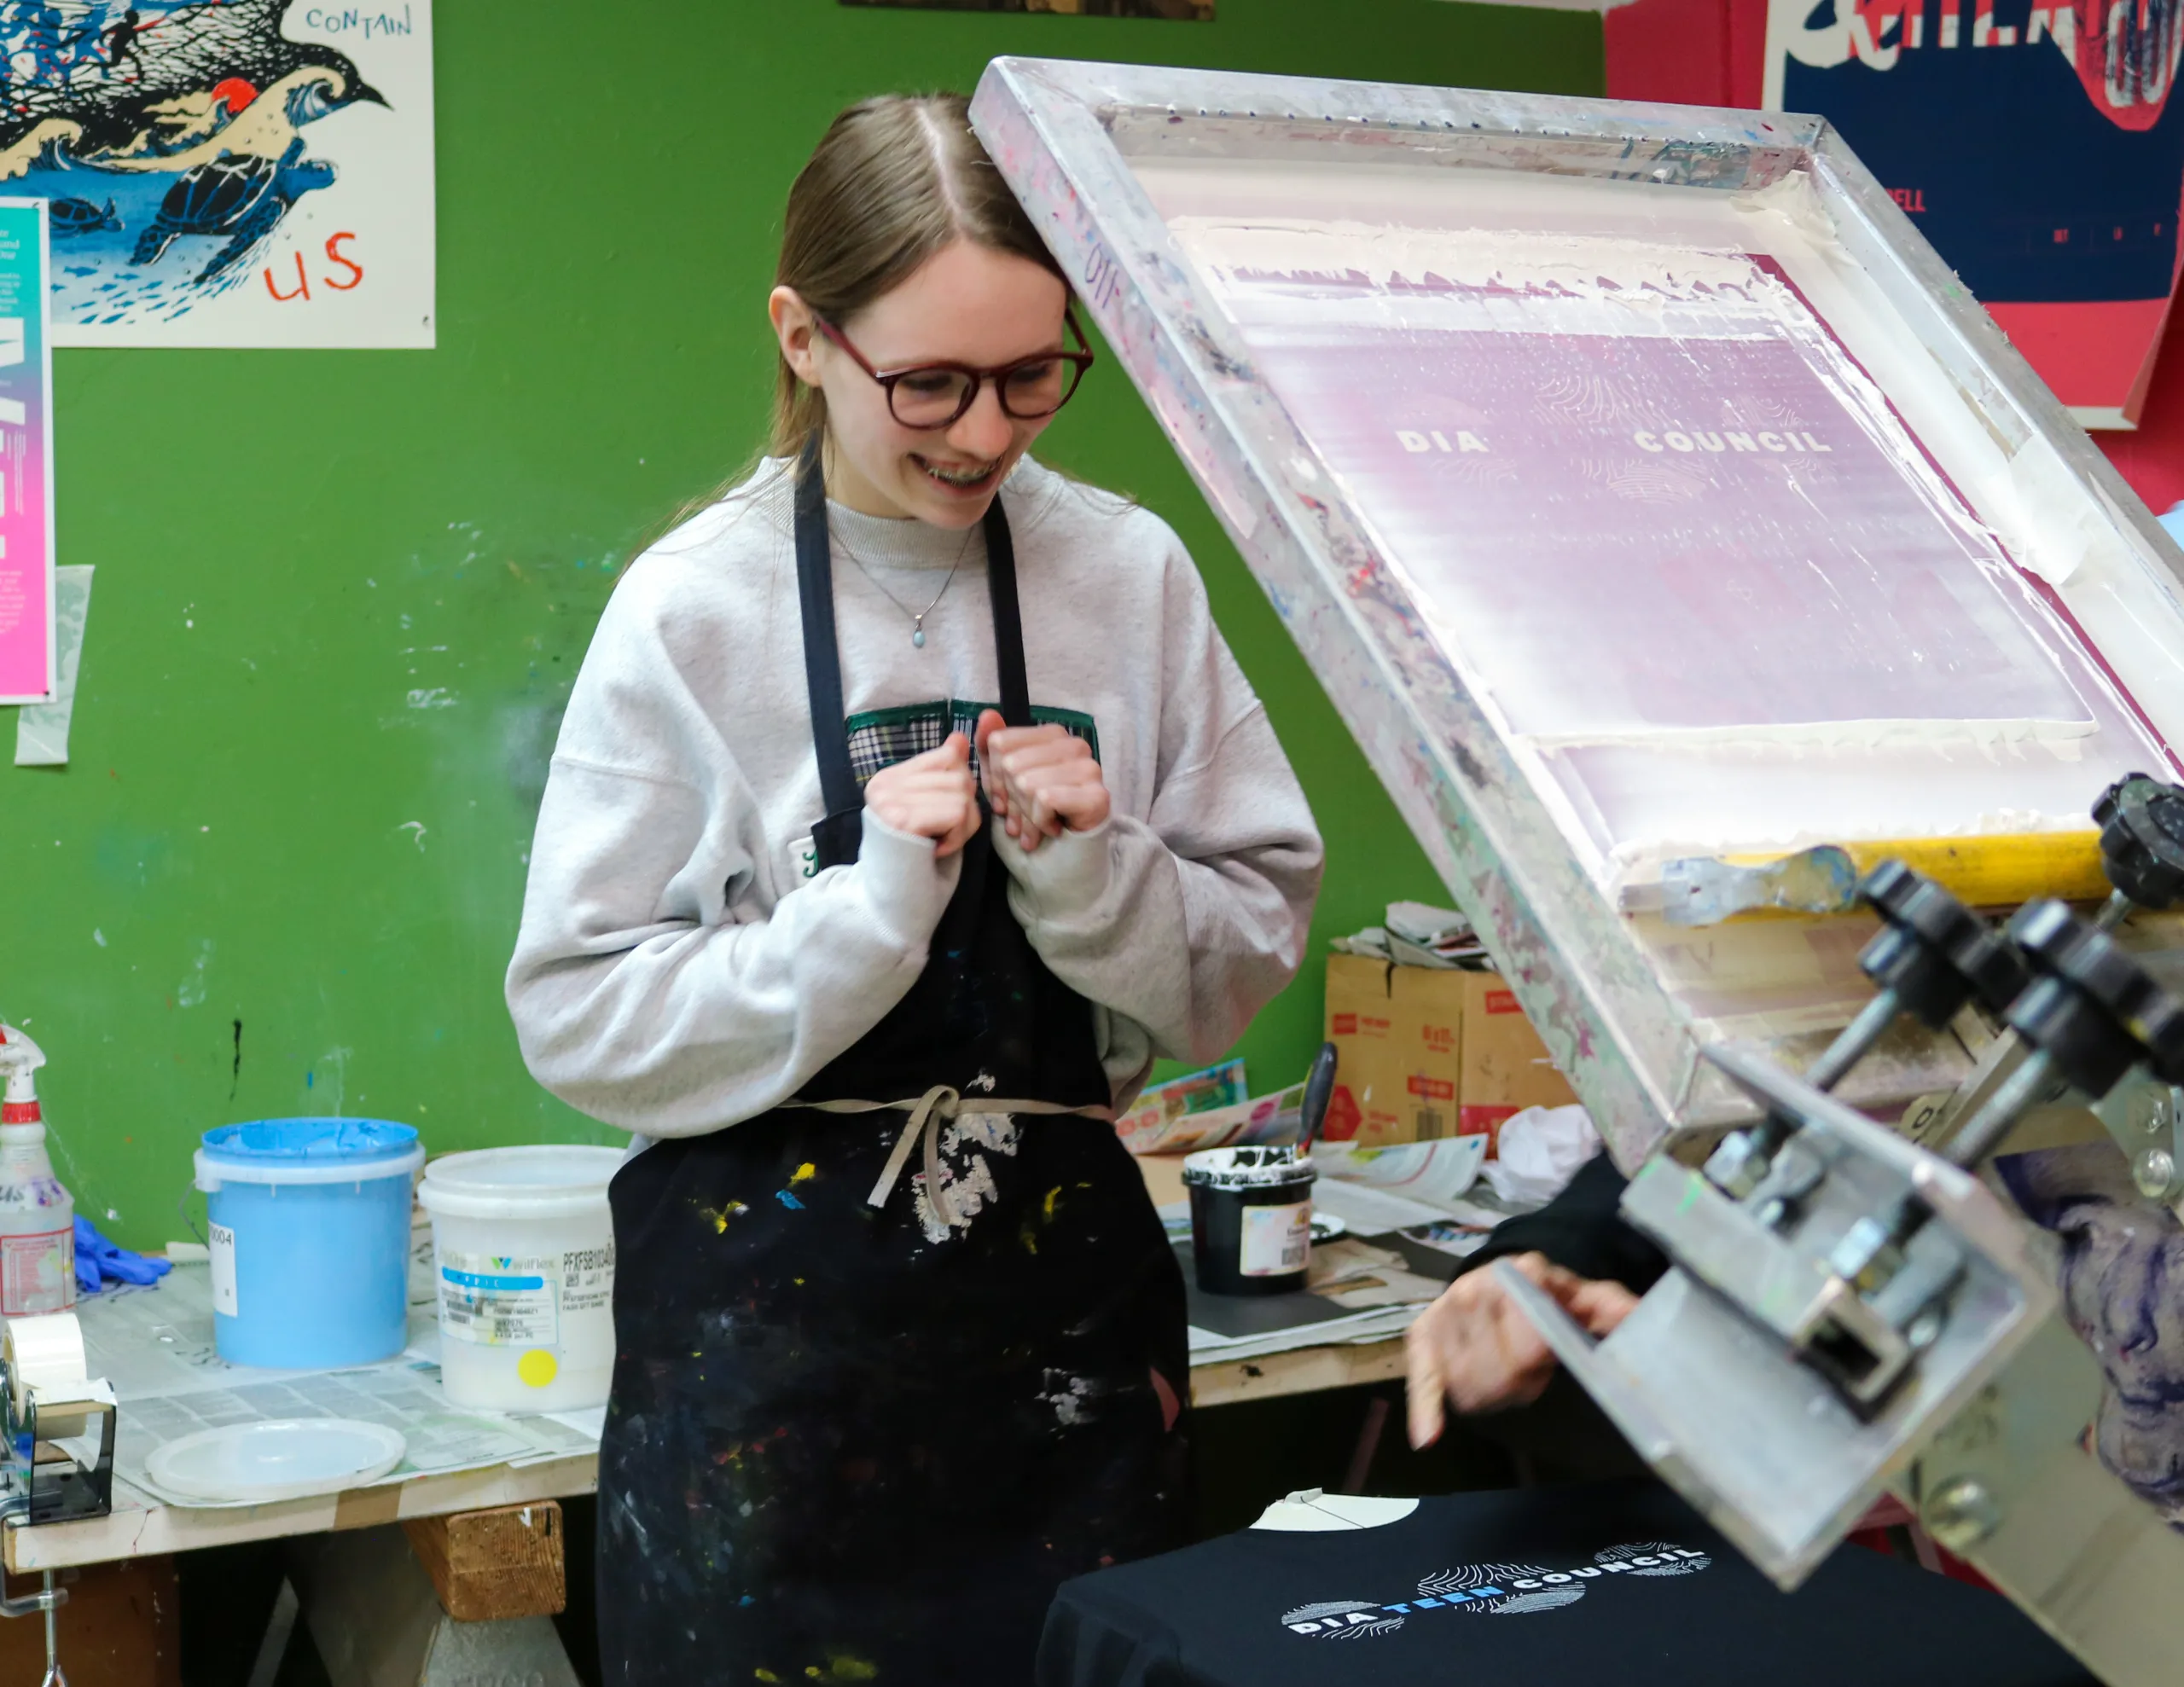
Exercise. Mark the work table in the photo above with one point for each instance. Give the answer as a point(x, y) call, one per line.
point(155, 1344)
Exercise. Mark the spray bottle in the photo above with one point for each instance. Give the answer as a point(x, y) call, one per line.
point(37, 1216)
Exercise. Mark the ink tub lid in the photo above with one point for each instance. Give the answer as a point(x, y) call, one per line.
point(548, 1181)
point(284, 1458)
point(1271, 1168)
point(307, 1150)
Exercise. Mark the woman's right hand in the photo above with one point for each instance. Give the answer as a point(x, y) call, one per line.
point(1475, 1350)
point(929, 796)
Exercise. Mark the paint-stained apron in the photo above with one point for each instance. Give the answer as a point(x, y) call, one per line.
point(858, 1433)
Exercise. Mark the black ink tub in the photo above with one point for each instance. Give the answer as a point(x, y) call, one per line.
point(1251, 1219)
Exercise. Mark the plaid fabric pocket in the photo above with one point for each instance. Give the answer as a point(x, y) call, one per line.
point(882, 737)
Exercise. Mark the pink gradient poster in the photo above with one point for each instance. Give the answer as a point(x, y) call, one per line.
point(26, 583)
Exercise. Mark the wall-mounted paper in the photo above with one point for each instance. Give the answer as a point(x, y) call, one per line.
point(255, 172)
point(42, 728)
point(28, 654)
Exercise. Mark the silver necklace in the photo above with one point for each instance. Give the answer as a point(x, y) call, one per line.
point(917, 615)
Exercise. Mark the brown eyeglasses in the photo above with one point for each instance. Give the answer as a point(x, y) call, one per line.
point(934, 395)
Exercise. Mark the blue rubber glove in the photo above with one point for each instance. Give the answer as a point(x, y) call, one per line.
point(99, 1261)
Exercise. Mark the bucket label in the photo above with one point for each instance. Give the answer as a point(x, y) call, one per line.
point(501, 1300)
point(1276, 1240)
point(223, 1251)
point(588, 1282)
point(37, 1273)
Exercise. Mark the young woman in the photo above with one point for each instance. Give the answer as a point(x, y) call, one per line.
point(866, 945)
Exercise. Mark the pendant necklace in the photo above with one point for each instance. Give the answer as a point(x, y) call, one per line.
point(917, 615)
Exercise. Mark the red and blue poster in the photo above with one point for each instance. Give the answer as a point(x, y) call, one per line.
point(2035, 145)
point(28, 656)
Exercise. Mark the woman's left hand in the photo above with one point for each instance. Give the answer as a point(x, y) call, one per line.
point(1040, 781)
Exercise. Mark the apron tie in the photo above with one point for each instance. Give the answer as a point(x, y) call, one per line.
point(924, 1120)
point(922, 1126)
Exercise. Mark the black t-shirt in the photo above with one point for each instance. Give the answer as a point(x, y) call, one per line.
point(1614, 1585)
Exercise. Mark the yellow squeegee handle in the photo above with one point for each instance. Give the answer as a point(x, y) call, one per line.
point(2001, 870)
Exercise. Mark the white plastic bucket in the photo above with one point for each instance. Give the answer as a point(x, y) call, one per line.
point(522, 1249)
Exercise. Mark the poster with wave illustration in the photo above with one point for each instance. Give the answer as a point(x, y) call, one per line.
point(2035, 143)
point(228, 172)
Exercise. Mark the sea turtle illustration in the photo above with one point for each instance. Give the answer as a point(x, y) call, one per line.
point(79, 217)
point(243, 197)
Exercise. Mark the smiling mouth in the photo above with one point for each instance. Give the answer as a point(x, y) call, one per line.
point(960, 477)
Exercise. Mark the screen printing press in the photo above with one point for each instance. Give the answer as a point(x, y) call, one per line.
point(1790, 694)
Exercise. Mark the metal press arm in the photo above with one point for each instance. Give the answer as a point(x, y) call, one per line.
point(2005, 1482)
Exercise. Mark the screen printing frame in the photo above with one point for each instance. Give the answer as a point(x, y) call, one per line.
point(1063, 135)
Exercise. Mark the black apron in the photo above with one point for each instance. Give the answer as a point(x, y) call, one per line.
point(871, 1405)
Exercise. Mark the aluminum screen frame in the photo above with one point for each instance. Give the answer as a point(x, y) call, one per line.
point(1063, 133)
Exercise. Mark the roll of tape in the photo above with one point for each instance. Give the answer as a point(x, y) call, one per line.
point(44, 1354)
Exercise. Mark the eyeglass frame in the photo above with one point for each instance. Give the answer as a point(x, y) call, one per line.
point(1083, 357)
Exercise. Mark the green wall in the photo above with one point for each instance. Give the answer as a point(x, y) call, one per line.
point(256, 826)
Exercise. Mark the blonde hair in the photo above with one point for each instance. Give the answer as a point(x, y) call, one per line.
point(895, 179)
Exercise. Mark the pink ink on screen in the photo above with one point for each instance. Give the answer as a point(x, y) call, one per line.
point(1675, 538)
point(1600, 506)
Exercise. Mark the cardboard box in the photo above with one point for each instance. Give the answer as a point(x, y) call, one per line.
point(1423, 1053)
point(1506, 1067)
point(1397, 1032)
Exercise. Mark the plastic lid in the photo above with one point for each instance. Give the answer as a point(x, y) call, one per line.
point(285, 1458)
point(542, 1181)
point(307, 1150)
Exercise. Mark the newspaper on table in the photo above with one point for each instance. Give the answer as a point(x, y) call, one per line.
point(154, 1344)
point(1436, 1174)
point(1357, 1329)
point(1355, 1292)
point(1423, 1192)
point(1358, 1293)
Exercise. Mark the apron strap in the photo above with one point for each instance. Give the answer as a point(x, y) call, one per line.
point(921, 1125)
point(836, 836)
point(1008, 621)
point(822, 661)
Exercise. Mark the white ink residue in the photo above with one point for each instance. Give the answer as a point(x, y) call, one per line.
point(1071, 1397)
point(965, 1175)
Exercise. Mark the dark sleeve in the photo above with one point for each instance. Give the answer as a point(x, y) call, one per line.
point(1581, 1230)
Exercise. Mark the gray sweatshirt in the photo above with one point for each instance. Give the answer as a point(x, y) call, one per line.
point(682, 965)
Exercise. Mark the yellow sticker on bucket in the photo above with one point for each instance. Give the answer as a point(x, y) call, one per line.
point(538, 1367)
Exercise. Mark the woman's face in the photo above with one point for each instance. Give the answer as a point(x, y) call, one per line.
point(968, 304)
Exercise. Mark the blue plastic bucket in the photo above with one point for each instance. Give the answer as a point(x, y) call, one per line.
point(311, 1239)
